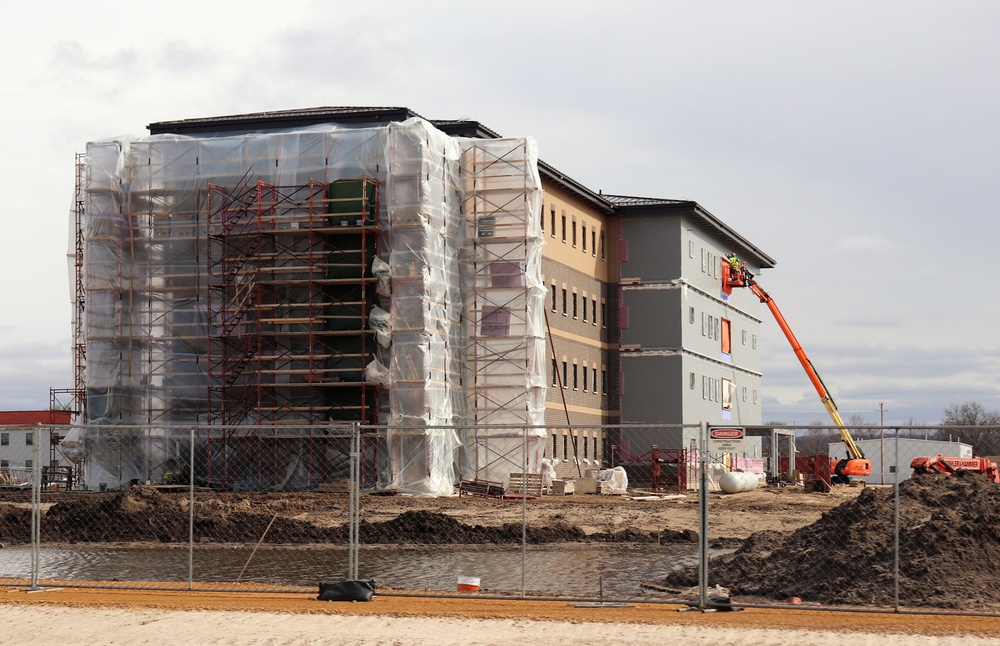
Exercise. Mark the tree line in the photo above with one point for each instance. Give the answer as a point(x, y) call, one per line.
point(967, 422)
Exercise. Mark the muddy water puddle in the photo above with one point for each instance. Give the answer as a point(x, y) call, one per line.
point(577, 570)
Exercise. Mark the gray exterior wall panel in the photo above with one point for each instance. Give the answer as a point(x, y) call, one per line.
point(651, 243)
point(654, 390)
point(653, 317)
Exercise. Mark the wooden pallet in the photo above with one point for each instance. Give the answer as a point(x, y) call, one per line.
point(481, 488)
point(529, 484)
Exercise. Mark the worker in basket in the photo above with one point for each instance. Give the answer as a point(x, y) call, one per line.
point(734, 263)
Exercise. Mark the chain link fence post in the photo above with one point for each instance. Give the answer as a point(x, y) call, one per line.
point(895, 520)
point(190, 471)
point(36, 505)
point(524, 512)
point(703, 518)
point(354, 503)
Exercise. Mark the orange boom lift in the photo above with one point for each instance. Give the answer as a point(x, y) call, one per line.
point(735, 274)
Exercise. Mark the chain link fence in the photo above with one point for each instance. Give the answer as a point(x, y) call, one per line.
point(601, 514)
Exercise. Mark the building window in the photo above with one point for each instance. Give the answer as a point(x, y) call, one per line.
point(691, 315)
point(574, 304)
point(495, 321)
point(704, 324)
point(553, 298)
point(704, 261)
point(28, 439)
point(4, 464)
point(565, 374)
point(585, 453)
point(692, 379)
point(564, 226)
point(555, 374)
point(564, 301)
point(555, 445)
point(585, 380)
point(690, 248)
point(574, 232)
point(593, 242)
point(744, 393)
point(541, 218)
point(595, 447)
point(727, 346)
point(553, 227)
point(727, 395)
point(583, 236)
point(566, 447)
point(754, 345)
point(744, 337)
point(755, 396)
point(28, 464)
point(604, 314)
point(704, 387)
point(593, 374)
point(584, 301)
point(576, 376)
point(604, 382)
point(593, 311)
point(603, 256)
point(4, 439)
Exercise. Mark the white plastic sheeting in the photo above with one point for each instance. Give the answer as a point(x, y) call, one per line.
point(459, 280)
point(613, 481)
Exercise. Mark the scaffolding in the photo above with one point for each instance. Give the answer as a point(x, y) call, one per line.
point(290, 290)
point(506, 336)
point(323, 276)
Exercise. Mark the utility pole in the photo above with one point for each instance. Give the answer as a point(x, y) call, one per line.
point(881, 448)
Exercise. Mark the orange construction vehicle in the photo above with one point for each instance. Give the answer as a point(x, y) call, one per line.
point(948, 466)
point(735, 274)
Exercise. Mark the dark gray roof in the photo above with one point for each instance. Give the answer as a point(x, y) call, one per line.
point(628, 200)
point(626, 205)
point(282, 119)
point(367, 115)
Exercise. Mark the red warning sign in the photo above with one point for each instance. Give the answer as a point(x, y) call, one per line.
point(726, 439)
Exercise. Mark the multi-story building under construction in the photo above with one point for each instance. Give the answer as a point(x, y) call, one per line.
point(263, 277)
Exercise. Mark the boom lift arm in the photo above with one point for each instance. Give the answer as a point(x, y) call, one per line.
point(735, 274)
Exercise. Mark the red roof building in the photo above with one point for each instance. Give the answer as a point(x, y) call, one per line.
point(32, 417)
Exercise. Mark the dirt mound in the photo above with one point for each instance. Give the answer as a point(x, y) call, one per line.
point(145, 514)
point(15, 525)
point(949, 544)
point(138, 514)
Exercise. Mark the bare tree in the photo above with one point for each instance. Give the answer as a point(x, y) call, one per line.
point(861, 429)
point(813, 441)
point(971, 423)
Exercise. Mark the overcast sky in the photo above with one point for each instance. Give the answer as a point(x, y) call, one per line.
point(857, 143)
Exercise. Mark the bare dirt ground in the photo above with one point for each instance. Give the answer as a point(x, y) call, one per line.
point(125, 617)
point(146, 514)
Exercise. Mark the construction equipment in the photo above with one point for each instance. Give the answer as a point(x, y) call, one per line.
point(949, 466)
point(735, 274)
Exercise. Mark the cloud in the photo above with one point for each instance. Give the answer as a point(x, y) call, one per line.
point(28, 369)
point(865, 243)
point(856, 147)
